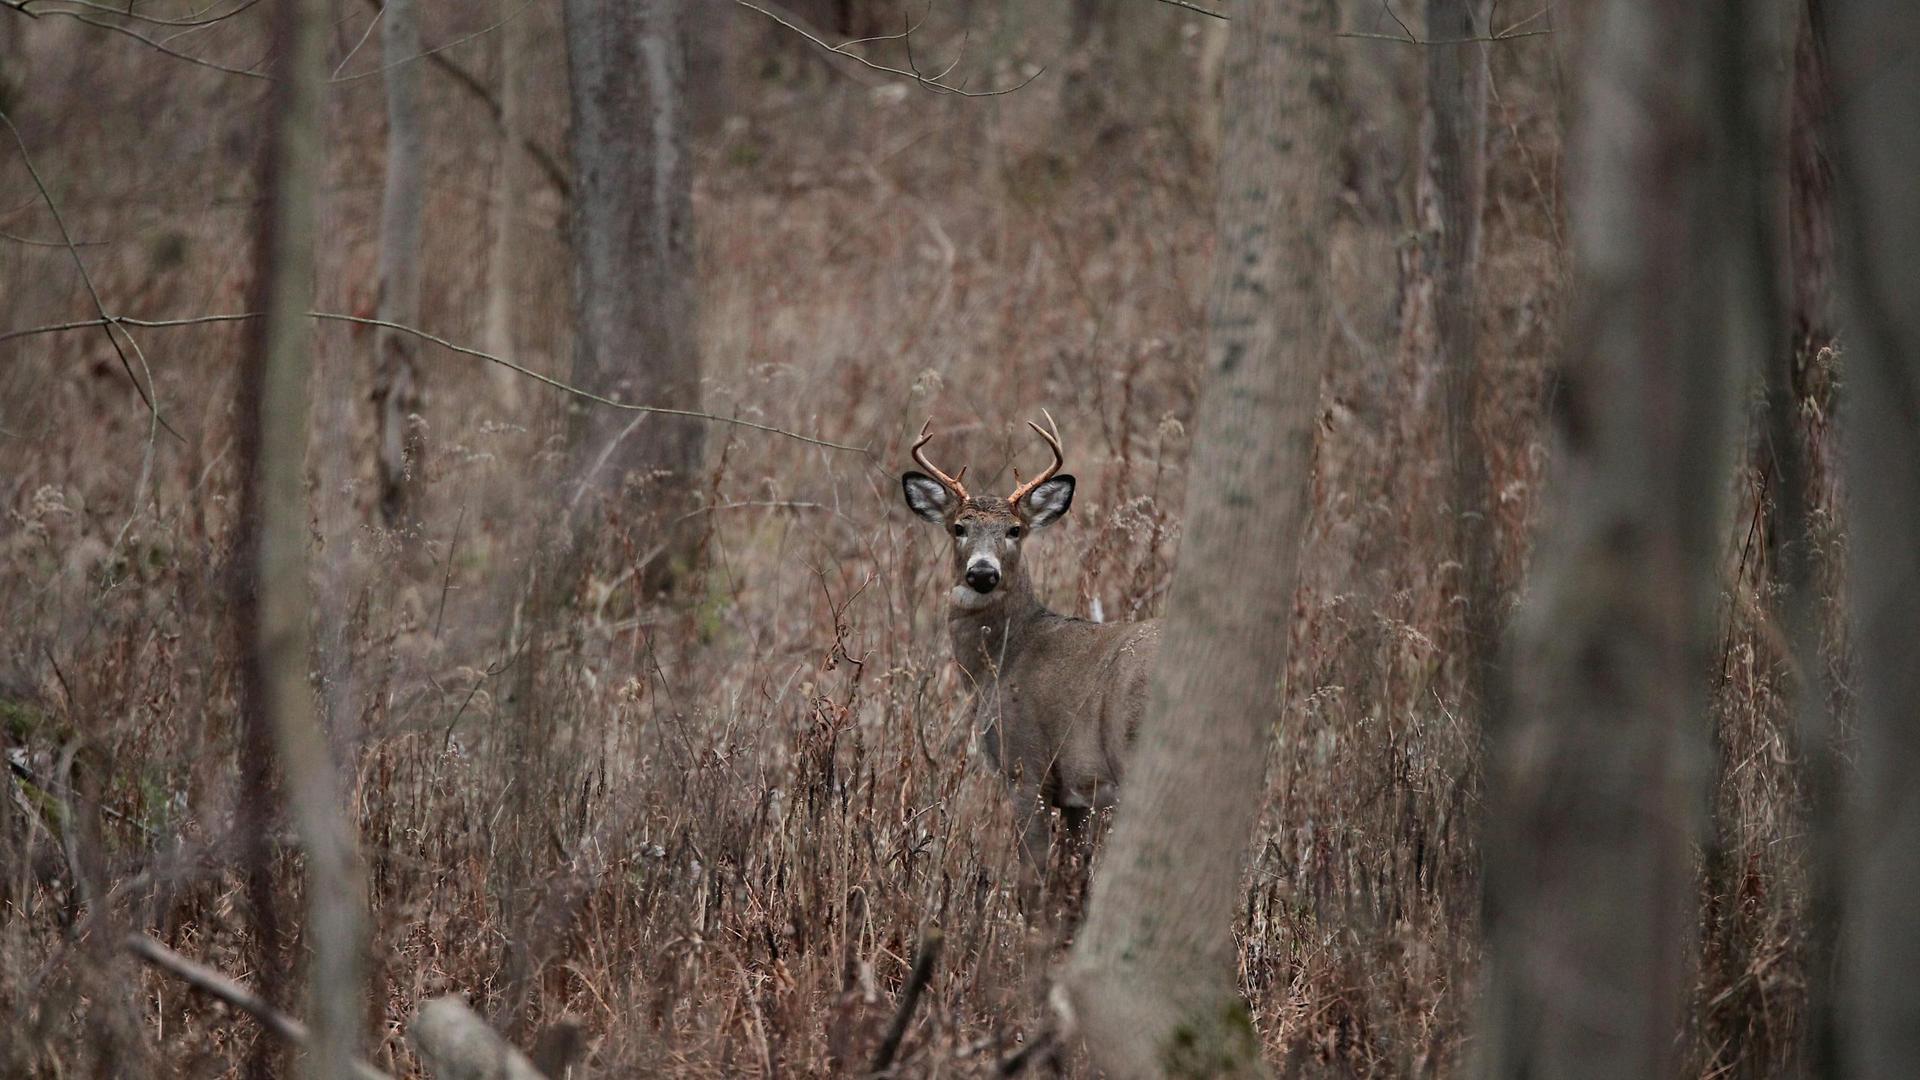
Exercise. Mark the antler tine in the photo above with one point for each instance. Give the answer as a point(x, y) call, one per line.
point(952, 482)
point(1059, 459)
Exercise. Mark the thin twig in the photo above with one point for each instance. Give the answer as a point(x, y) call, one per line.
point(446, 580)
point(585, 395)
point(161, 46)
point(424, 53)
point(1197, 9)
point(379, 12)
point(31, 242)
point(25, 7)
point(1483, 39)
point(1408, 37)
point(66, 238)
point(934, 85)
point(555, 173)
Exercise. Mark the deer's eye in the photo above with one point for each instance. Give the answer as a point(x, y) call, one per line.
point(1013, 532)
point(960, 531)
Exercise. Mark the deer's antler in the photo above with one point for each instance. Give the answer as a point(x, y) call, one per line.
point(1053, 443)
point(952, 482)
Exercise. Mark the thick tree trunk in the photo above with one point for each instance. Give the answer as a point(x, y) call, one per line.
point(1596, 786)
point(1877, 151)
point(1151, 980)
point(275, 603)
point(634, 332)
point(397, 377)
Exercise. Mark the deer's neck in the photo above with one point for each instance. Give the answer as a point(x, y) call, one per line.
point(988, 631)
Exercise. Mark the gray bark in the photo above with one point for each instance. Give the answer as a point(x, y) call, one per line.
point(1452, 192)
point(1877, 150)
point(397, 376)
point(509, 198)
point(634, 291)
point(276, 605)
point(1150, 982)
point(1597, 780)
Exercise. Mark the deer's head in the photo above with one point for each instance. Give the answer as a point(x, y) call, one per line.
point(987, 531)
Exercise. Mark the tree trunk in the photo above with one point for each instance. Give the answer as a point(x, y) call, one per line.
point(634, 289)
point(1810, 187)
point(275, 605)
point(397, 379)
point(509, 199)
point(1877, 150)
point(1452, 188)
point(1597, 780)
point(1151, 981)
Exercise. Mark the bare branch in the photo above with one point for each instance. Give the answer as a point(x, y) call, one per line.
point(1408, 37)
point(217, 985)
point(21, 7)
point(66, 238)
point(934, 85)
point(26, 7)
point(1197, 9)
point(1398, 40)
point(117, 320)
point(555, 173)
point(436, 50)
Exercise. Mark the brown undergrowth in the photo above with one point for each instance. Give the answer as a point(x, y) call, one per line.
point(712, 828)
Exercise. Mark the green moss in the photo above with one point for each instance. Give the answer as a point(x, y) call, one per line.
point(1220, 1042)
point(21, 720)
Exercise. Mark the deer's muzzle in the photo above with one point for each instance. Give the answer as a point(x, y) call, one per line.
point(983, 575)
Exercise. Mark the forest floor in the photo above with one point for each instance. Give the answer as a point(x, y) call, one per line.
point(712, 828)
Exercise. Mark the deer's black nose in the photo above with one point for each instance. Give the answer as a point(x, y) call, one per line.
point(982, 578)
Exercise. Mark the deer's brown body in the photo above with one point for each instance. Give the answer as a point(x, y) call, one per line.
point(1056, 700)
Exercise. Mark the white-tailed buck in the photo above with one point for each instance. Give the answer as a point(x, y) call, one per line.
point(1056, 700)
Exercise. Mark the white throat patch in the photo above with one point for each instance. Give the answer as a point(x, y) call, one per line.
point(966, 599)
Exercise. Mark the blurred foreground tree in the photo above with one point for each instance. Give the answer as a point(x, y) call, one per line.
point(1151, 979)
point(396, 386)
point(275, 605)
point(1877, 151)
point(634, 282)
point(1597, 781)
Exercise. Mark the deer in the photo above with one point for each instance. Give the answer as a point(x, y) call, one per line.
point(1056, 700)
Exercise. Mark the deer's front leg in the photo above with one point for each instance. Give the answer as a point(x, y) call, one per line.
point(1035, 822)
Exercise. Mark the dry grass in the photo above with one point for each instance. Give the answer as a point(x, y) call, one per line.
point(713, 829)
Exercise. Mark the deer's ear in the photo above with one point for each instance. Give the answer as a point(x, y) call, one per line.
point(1044, 504)
point(926, 496)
